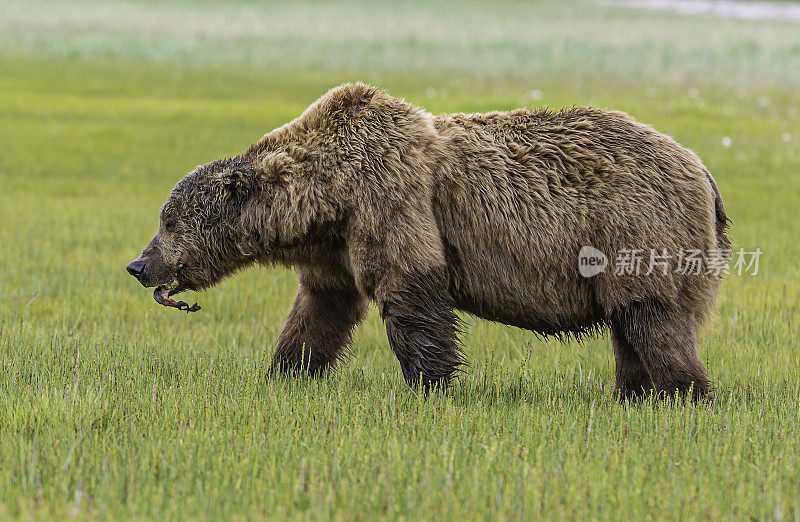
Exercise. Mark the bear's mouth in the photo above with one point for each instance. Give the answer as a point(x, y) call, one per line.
point(162, 295)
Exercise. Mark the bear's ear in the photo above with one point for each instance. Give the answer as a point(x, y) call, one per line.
point(236, 179)
point(357, 100)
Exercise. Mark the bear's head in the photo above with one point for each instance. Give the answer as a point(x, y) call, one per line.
point(199, 239)
point(294, 196)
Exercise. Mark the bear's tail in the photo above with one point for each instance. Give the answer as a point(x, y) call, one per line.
point(723, 242)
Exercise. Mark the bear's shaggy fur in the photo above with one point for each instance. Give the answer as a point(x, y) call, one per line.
point(373, 199)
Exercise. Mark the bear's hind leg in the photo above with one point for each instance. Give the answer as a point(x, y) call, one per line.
point(317, 329)
point(666, 341)
point(632, 379)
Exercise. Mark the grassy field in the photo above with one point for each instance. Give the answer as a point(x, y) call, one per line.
point(113, 407)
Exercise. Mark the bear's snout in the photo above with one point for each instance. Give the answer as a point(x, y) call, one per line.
point(136, 268)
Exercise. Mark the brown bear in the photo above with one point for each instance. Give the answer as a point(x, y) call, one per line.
point(370, 198)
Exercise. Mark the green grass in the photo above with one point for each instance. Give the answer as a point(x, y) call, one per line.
point(113, 407)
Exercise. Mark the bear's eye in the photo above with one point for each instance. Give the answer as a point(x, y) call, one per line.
point(170, 225)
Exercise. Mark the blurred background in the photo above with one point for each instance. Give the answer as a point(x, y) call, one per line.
point(690, 42)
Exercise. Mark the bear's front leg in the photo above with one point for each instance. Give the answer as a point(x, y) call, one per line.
point(319, 326)
point(421, 326)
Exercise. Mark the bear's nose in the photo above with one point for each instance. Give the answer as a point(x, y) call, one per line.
point(136, 268)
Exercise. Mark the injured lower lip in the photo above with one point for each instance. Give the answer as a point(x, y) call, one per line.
point(161, 295)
